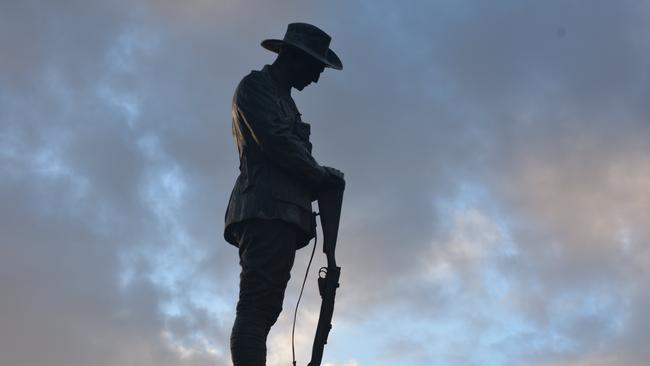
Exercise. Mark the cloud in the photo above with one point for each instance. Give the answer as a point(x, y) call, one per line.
point(496, 180)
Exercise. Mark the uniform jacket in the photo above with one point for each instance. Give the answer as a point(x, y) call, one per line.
point(277, 174)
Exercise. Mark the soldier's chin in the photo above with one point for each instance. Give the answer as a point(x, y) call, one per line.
point(302, 86)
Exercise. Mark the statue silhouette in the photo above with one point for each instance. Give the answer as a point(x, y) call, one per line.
point(269, 212)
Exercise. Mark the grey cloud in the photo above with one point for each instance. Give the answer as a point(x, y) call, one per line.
point(132, 100)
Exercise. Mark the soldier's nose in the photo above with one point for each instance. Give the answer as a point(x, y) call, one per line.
point(318, 75)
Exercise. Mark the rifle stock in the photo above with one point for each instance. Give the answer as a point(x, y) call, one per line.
point(330, 203)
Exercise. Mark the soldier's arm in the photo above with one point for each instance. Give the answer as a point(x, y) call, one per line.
point(259, 111)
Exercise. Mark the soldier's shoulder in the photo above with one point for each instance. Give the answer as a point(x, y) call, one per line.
point(255, 79)
point(256, 83)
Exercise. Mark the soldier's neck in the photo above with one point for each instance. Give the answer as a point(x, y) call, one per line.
point(280, 74)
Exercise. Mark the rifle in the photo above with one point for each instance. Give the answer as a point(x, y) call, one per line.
point(329, 205)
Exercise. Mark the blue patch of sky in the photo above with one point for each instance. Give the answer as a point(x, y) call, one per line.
point(599, 305)
point(48, 166)
point(47, 163)
point(356, 341)
point(172, 262)
point(163, 192)
point(192, 343)
point(149, 145)
point(393, 338)
point(475, 196)
point(478, 320)
point(128, 46)
point(504, 333)
point(122, 59)
point(128, 104)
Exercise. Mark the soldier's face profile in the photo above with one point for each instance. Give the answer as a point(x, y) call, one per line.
point(308, 70)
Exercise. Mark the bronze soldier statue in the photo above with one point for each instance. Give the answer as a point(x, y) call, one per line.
point(269, 215)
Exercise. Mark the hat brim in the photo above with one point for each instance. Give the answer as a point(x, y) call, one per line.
point(332, 61)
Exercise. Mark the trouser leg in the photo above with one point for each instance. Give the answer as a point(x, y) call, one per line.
point(266, 251)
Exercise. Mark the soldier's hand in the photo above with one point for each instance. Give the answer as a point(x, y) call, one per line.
point(336, 177)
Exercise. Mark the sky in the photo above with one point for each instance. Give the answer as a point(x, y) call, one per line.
point(495, 154)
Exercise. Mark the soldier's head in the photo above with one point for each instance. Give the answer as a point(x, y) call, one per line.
point(304, 53)
point(304, 69)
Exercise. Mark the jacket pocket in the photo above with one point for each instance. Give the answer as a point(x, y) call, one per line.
point(287, 189)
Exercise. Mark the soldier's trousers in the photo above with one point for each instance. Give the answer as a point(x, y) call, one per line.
point(267, 250)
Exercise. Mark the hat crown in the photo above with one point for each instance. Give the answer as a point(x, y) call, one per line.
point(309, 39)
point(308, 36)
